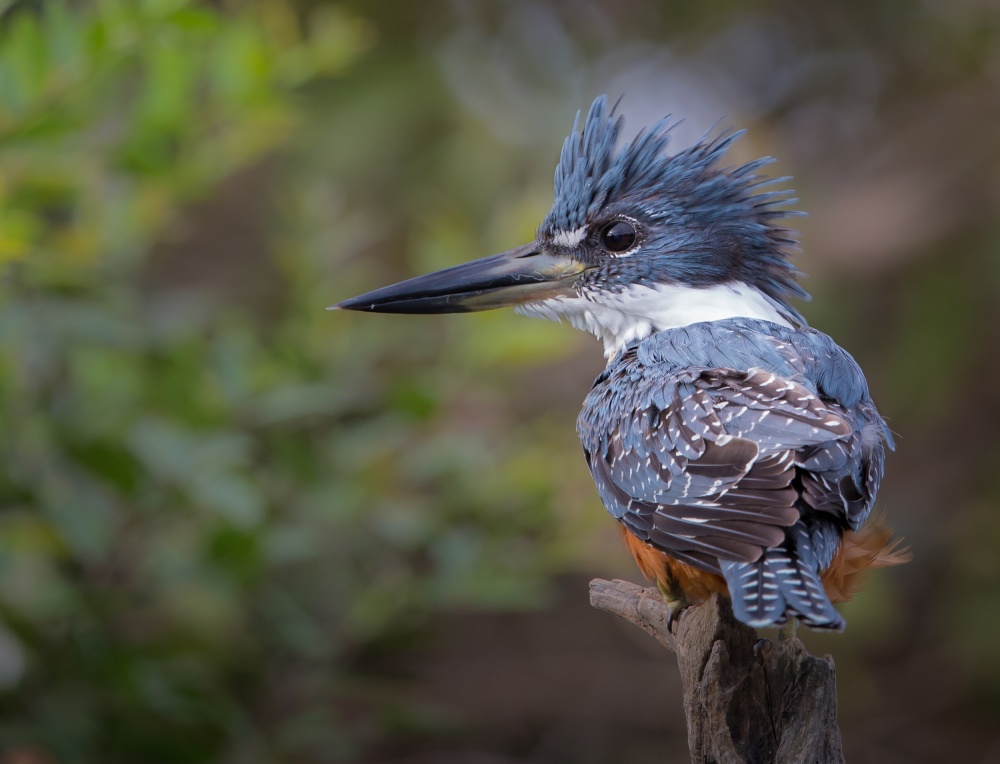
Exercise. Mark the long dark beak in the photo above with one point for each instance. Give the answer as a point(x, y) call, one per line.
point(525, 274)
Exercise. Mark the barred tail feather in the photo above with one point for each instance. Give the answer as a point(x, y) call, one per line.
point(784, 581)
point(753, 587)
point(799, 583)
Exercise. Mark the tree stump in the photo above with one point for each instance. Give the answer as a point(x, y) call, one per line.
point(747, 700)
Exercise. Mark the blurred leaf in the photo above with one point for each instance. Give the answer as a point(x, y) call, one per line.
point(226, 515)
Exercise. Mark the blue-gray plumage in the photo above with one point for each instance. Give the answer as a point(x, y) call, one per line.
point(738, 448)
point(700, 224)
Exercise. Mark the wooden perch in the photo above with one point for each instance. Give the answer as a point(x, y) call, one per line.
point(745, 699)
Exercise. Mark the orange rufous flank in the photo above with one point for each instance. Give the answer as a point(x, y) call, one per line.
point(859, 552)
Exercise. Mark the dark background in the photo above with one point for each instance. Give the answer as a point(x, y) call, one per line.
point(237, 528)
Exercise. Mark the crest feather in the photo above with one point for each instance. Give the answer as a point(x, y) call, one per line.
point(712, 205)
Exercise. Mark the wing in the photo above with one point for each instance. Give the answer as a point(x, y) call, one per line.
point(712, 464)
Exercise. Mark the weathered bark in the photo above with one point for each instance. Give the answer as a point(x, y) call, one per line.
point(745, 699)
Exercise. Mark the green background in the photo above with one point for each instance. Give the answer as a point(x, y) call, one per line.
point(237, 528)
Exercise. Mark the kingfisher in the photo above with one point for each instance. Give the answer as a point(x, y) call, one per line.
point(737, 447)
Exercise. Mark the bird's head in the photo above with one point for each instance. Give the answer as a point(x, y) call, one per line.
point(637, 241)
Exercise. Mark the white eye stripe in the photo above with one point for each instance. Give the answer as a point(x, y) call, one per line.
point(575, 237)
point(570, 238)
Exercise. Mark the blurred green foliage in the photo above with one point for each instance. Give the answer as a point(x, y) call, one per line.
point(207, 519)
point(225, 513)
point(112, 117)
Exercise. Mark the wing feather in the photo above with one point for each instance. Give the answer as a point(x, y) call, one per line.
point(713, 473)
point(750, 472)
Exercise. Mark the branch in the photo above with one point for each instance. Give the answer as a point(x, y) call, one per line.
point(745, 699)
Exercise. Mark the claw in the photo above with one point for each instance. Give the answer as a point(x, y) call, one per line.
point(674, 598)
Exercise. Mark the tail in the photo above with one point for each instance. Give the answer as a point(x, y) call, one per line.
point(784, 581)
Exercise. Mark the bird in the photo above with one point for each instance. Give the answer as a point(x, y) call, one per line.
point(737, 447)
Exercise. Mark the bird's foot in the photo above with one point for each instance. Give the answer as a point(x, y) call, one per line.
point(788, 629)
point(675, 600)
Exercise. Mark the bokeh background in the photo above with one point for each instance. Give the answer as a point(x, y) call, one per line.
point(237, 528)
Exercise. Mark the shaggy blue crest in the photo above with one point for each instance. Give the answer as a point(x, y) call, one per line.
point(705, 224)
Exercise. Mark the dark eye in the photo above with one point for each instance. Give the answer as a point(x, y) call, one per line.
point(619, 236)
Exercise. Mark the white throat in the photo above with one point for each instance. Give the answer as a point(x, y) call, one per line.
point(639, 310)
